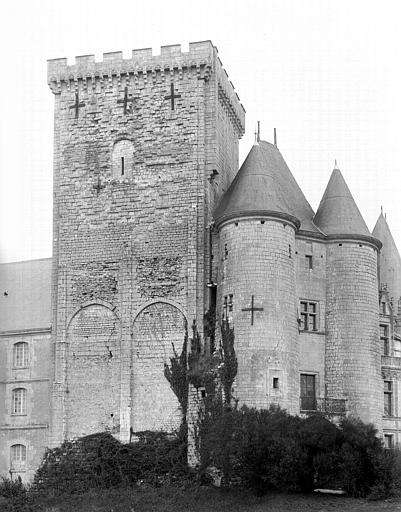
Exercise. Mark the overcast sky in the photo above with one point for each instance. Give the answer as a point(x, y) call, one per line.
point(326, 73)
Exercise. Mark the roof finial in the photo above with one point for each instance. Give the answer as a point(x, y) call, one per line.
point(258, 131)
point(256, 142)
point(336, 165)
point(275, 137)
point(381, 209)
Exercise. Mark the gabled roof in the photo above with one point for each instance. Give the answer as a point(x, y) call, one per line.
point(338, 213)
point(25, 291)
point(264, 185)
point(390, 260)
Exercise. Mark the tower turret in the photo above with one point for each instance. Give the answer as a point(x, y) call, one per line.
point(257, 219)
point(136, 143)
point(352, 319)
point(389, 259)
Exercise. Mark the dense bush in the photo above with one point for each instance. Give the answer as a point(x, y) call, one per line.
point(11, 488)
point(99, 460)
point(15, 497)
point(270, 449)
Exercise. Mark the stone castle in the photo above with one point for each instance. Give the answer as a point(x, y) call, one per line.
point(154, 226)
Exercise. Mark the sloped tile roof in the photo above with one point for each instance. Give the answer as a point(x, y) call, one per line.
point(25, 295)
point(390, 260)
point(338, 212)
point(264, 184)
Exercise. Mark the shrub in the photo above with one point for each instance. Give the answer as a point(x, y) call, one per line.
point(100, 461)
point(269, 456)
point(359, 454)
point(15, 497)
point(270, 449)
point(11, 488)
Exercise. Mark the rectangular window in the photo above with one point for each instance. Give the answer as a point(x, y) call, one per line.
point(225, 307)
point(309, 261)
point(18, 457)
point(19, 401)
point(308, 392)
point(275, 383)
point(384, 338)
point(383, 308)
point(308, 316)
point(388, 441)
point(388, 398)
point(21, 354)
point(228, 308)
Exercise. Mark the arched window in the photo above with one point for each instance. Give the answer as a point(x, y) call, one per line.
point(18, 457)
point(19, 401)
point(21, 354)
point(122, 159)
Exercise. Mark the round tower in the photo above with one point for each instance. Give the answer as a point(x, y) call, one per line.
point(257, 220)
point(352, 315)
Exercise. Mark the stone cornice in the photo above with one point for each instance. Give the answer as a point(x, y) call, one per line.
point(370, 240)
point(32, 426)
point(30, 332)
point(232, 110)
point(258, 215)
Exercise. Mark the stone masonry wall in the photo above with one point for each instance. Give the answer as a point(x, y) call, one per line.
point(352, 323)
point(257, 257)
point(93, 376)
point(131, 207)
point(311, 286)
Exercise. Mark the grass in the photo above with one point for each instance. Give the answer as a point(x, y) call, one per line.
point(206, 499)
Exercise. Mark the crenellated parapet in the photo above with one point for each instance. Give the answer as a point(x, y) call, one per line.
point(201, 62)
point(229, 99)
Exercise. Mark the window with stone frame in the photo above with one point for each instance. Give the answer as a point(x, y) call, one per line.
point(388, 398)
point(388, 441)
point(21, 355)
point(308, 318)
point(18, 457)
point(384, 338)
point(19, 401)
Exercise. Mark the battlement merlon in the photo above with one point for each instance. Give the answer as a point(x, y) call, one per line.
point(202, 55)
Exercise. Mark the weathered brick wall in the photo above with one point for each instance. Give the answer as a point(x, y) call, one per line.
point(258, 258)
point(352, 322)
point(132, 231)
point(311, 286)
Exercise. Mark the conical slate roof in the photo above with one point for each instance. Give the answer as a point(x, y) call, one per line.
point(338, 213)
point(390, 260)
point(265, 185)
